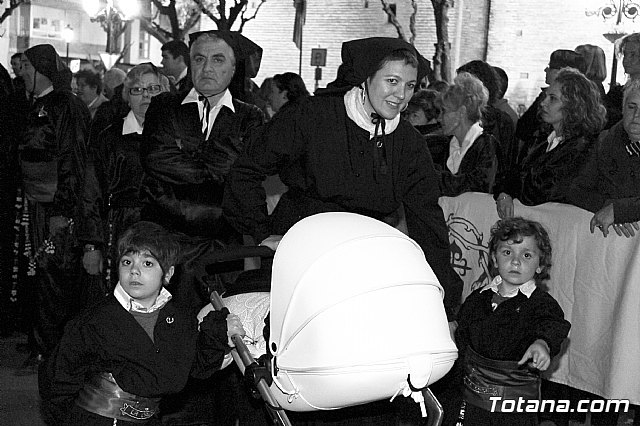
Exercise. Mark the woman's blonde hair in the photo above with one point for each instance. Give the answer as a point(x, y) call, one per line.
point(595, 67)
point(582, 111)
point(468, 91)
point(135, 74)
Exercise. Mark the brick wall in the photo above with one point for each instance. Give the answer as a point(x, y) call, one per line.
point(521, 35)
point(517, 35)
point(470, 29)
point(328, 24)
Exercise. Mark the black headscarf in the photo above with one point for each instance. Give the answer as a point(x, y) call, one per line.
point(47, 62)
point(360, 59)
point(248, 57)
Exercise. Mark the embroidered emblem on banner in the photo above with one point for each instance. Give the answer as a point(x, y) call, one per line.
point(134, 413)
point(468, 250)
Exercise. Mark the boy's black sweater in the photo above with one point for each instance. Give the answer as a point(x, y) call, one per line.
point(107, 338)
point(506, 333)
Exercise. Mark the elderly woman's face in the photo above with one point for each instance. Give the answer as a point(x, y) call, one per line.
point(631, 59)
point(631, 115)
point(450, 117)
point(551, 106)
point(391, 88)
point(150, 86)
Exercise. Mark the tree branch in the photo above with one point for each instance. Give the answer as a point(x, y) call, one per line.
point(441, 59)
point(155, 30)
point(170, 12)
point(208, 12)
point(161, 8)
point(13, 4)
point(238, 7)
point(412, 21)
point(121, 29)
point(394, 19)
point(191, 21)
point(244, 20)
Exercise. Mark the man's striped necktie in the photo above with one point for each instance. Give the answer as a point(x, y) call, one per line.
point(205, 113)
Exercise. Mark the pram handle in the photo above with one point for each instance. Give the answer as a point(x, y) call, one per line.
point(243, 358)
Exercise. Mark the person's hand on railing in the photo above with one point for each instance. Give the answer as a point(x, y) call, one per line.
point(626, 229)
point(604, 218)
point(504, 205)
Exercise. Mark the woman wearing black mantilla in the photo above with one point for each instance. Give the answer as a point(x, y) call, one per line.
point(347, 149)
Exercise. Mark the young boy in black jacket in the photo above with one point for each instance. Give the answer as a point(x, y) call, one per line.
point(509, 330)
point(118, 358)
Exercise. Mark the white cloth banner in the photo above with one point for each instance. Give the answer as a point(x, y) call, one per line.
point(595, 280)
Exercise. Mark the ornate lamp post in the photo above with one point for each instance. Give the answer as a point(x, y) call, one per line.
point(111, 17)
point(616, 9)
point(67, 36)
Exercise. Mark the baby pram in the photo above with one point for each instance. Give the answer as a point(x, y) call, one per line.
point(336, 278)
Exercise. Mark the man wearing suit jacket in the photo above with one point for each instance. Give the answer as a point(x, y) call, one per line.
point(192, 139)
point(175, 64)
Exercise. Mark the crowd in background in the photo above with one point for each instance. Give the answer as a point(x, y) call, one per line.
point(198, 148)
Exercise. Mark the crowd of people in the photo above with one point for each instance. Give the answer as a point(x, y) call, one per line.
point(131, 182)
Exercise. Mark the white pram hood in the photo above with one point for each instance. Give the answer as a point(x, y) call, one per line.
point(355, 309)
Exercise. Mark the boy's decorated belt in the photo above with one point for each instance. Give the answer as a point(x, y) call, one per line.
point(485, 378)
point(102, 395)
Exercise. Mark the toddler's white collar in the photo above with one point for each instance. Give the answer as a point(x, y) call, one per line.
point(526, 288)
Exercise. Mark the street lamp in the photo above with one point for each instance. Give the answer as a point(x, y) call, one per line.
point(616, 9)
point(67, 36)
point(111, 17)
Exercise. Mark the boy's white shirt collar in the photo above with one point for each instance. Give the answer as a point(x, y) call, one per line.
point(132, 305)
point(526, 288)
point(131, 124)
